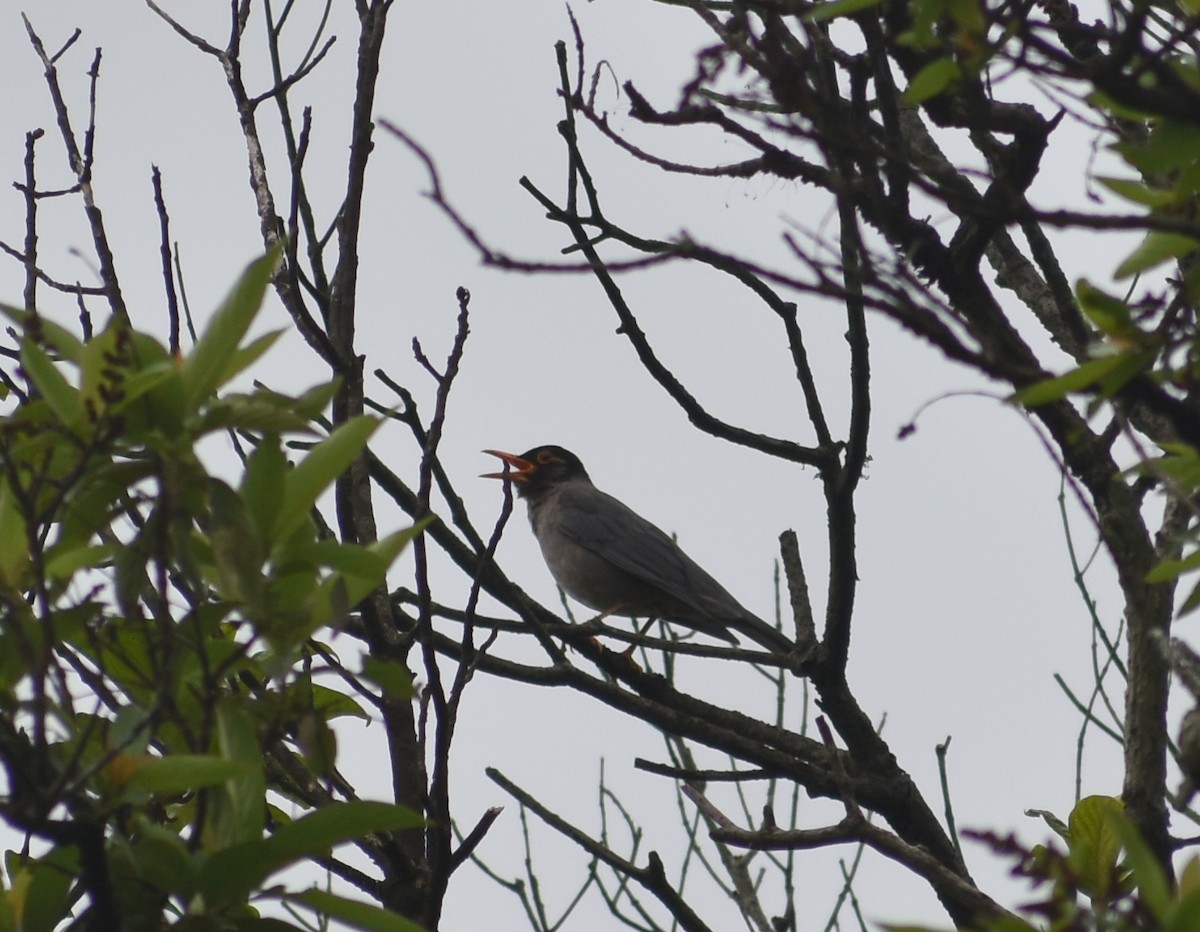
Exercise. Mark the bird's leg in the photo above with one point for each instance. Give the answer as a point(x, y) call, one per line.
point(599, 619)
point(641, 633)
point(619, 608)
point(615, 609)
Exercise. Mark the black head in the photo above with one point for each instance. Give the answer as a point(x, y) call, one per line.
point(537, 470)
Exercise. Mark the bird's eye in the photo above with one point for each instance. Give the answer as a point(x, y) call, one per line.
point(545, 458)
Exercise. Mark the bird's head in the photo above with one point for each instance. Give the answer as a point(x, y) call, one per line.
point(538, 470)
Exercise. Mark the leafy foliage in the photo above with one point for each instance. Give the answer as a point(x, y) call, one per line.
point(160, 726)
point(1148, 351)
point(1107, 878)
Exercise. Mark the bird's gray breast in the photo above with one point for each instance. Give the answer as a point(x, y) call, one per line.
point(573, 539)
point(611, 559)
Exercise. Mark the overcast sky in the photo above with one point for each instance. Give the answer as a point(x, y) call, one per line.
point(966, 607)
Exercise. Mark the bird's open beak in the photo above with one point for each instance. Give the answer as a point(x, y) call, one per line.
point(519, 469)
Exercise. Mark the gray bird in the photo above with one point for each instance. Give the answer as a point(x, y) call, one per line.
point(610, 558)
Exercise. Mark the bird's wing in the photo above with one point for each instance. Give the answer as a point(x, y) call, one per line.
point(612, 530)
point(608, 528)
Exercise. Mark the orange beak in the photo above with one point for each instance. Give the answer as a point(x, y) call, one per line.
point(519, 470)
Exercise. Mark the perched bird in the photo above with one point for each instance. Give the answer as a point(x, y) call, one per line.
point(610, 558)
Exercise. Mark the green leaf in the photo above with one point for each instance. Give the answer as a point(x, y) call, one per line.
point(350, 559)
point(1184, 915)
point(337, 823)
point(393, 545)
point(41, 887)
point(1191, 602)
point(969, 16)
point(214, 353)
point(333, 704)
point(131, 580)
point(163, 860)
point(317, 471)
point(1079, 378)
point(104, 366)
point(1093, 843)
point(1140, 193)
point(163, 405)
point(69, 346)
point(1148, 875)
point(14, 541)
point(1155, 249)
point(358, 915)
point(230, 874)
point(1110, 314)
point(250, 354)
point(8, 922)
point(1172, 146)
point(932, 80)
point(393, 677)
point(241, 813)
point(1172, 569)
point(925, 15)
point(178, 773)
point(317, 743)
point(253, 413)
point(262, 487)
point(1057, 825)
point(358, 587)
point(142, 383)
point(128, 731)
point(235, 545)
point(1130, 365)
point(94, 504)
point(1189, 877)
point(312, 402)
point(50, 383)
point(63, 563)
point(822, 12)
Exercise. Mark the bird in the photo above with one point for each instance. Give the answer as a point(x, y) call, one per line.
point(605, 555)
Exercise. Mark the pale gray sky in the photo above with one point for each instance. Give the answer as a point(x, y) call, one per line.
point(966, 607)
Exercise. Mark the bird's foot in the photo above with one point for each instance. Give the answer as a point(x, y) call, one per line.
point(627, 653)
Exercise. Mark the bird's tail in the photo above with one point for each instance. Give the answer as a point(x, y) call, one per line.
point(763, 634)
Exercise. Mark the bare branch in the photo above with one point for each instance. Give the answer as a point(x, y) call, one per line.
point(651, 877)
point(160, 205)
